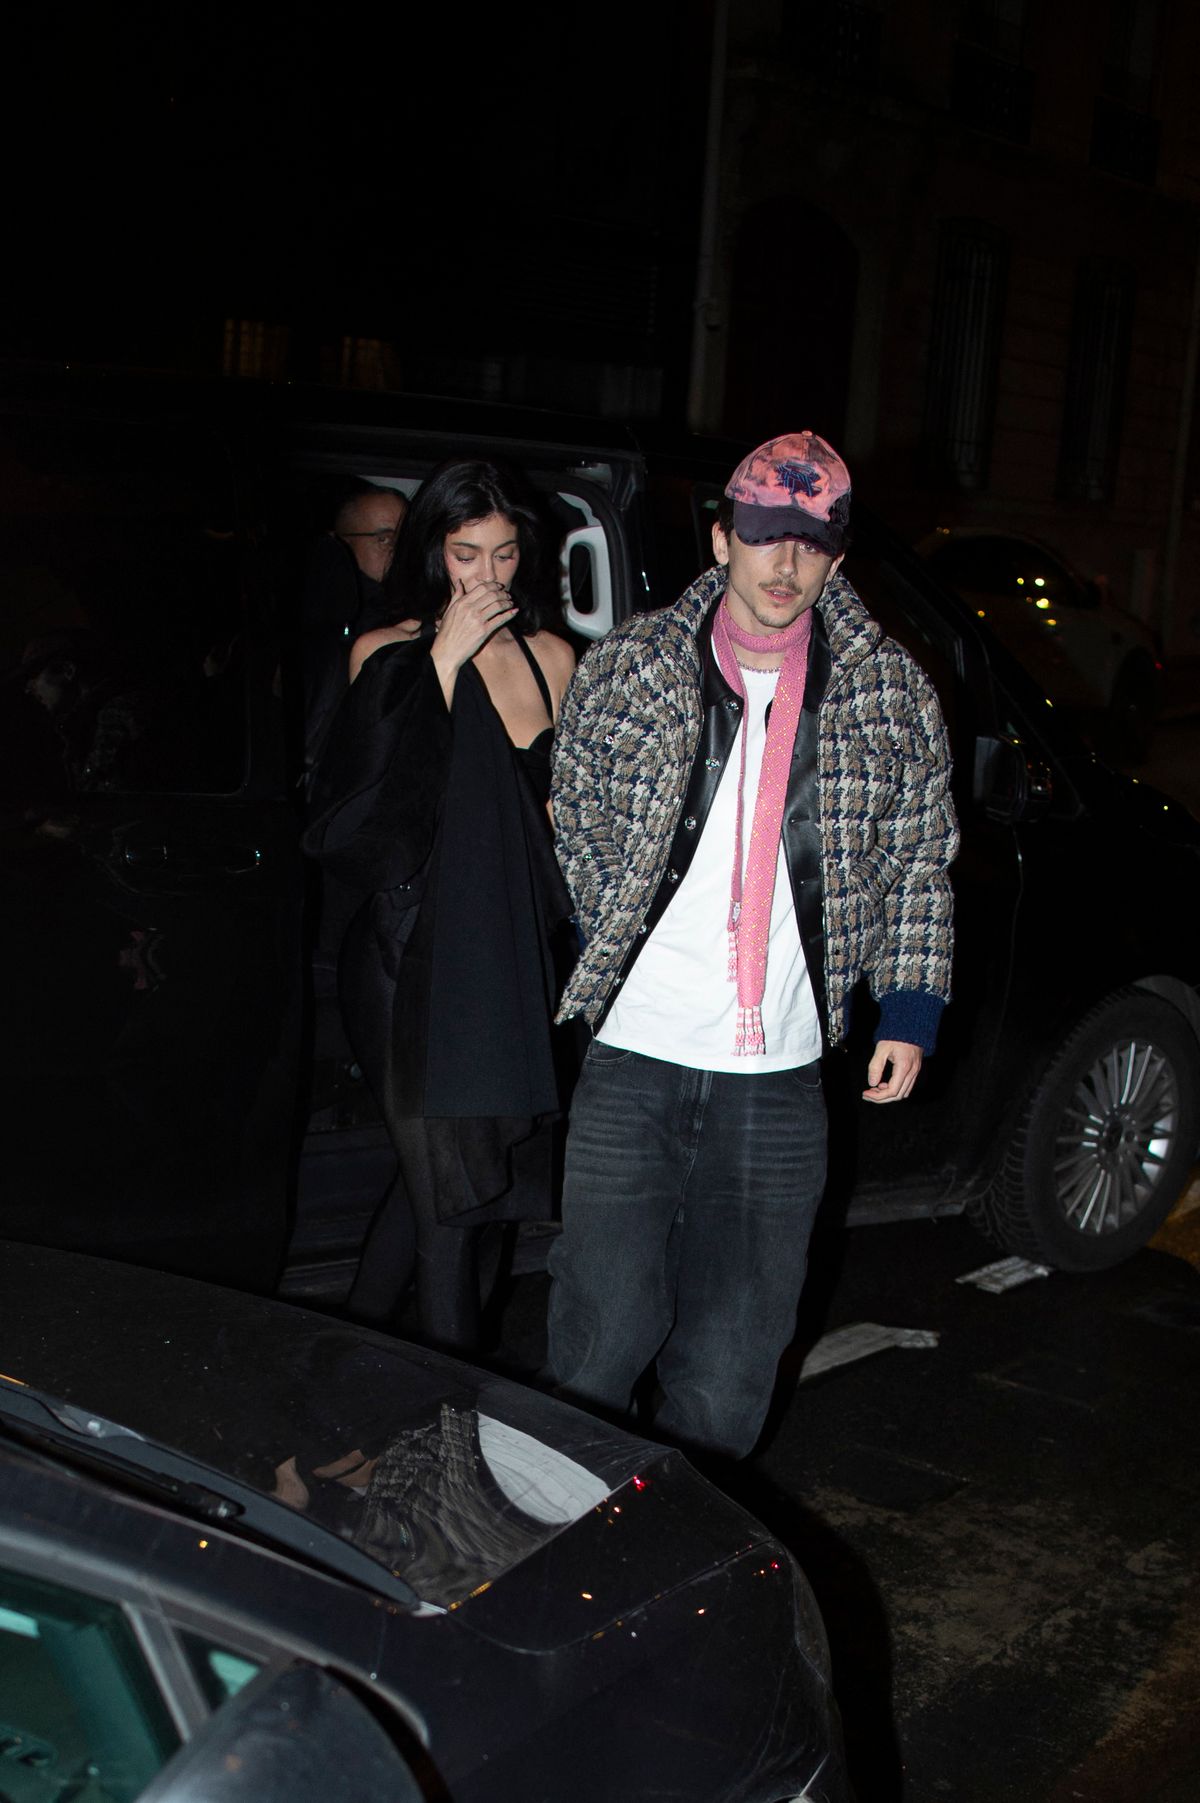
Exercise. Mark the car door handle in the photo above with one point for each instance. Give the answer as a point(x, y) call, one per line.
point(143, 857)
point(213, 855)
point(242, 861)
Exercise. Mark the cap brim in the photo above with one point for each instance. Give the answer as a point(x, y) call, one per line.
point(762, 525)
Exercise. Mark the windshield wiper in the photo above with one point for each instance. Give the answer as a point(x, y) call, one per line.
point(106, 1448)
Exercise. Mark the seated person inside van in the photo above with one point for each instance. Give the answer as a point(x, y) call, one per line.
point(367, 523)
point(341, 593)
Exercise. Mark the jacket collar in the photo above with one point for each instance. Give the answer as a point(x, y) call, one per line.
point(696, 603)
point(852, 632)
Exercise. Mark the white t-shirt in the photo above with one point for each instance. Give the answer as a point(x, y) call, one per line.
point(677, 1002)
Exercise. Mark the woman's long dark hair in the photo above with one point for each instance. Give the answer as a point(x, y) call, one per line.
point(417, 585)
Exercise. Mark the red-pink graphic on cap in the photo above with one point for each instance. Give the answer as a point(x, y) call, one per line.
point(799, 470)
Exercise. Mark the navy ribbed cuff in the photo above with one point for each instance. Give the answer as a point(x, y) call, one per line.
point(911, 1016)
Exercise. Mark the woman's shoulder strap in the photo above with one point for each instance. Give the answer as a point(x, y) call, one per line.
point(538, 674)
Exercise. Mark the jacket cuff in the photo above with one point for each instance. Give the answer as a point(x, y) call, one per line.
point(911, 1016)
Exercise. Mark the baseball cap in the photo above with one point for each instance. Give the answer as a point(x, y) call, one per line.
point(792, 487)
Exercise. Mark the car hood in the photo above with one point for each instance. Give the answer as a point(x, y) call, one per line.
point(442, 1475)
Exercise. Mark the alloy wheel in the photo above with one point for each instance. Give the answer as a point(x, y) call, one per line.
point(1117, 1131)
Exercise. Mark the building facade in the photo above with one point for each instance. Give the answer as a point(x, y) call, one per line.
point(963, 239)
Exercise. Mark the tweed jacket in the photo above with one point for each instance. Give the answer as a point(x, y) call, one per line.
point(627, 736)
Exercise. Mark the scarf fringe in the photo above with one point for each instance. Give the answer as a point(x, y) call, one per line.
point(749, 1040)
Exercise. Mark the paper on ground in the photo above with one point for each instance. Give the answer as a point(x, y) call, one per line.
point(845, 1344)
point(1005, 1274)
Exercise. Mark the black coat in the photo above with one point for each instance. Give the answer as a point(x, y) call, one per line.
point(445, 975)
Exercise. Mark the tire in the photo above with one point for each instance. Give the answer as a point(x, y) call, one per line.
point(1105, 1139)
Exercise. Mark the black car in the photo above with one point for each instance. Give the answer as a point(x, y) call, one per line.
point(246, 1552)
point(175, 622)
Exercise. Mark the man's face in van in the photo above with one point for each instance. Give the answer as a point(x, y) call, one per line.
point(771, 585)
point(369, 525)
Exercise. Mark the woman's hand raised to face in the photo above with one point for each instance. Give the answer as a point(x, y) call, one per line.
point(474, 612)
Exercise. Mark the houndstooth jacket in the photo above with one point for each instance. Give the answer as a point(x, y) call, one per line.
point(623, 752)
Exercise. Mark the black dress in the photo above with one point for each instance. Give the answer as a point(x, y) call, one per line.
point(446, 975)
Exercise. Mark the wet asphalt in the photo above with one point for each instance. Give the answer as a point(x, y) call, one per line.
point(1002, 1529)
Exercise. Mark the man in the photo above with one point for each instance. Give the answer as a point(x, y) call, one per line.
point(752, 804)
point(339, 598)
point(367, 522)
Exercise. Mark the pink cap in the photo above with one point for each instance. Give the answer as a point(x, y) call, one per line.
point(792, 487)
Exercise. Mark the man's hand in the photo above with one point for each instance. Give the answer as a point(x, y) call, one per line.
point(905, 1061)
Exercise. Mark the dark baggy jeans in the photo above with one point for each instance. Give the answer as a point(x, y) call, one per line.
point(688, 1203)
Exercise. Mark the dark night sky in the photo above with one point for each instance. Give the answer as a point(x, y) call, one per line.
point(412, 171)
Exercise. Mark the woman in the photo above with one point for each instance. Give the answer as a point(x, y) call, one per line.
point(432, 799)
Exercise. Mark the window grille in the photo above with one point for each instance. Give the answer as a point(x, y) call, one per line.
point(1096, 374)
point(964, 352)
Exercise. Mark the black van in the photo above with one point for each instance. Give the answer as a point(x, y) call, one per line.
point(177, 1090)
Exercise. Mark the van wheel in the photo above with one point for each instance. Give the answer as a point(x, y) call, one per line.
point(1106, 1139)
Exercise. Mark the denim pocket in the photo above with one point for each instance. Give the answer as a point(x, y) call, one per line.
point(600, 1054)
point(807, 1076)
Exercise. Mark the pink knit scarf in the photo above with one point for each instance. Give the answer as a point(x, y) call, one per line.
point(750, 901)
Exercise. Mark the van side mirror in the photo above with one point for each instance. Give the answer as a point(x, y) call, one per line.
point(296, 1736)
point(1010, 783)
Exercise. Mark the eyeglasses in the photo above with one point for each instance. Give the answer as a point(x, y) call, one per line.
point(385, 538)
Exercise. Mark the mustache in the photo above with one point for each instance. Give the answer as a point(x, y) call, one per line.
point(777, 588)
